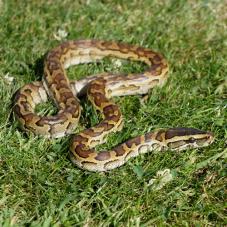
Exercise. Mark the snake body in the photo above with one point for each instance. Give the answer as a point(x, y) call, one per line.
point(100, 89)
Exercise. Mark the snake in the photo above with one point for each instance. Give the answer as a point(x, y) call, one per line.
point(99, 89)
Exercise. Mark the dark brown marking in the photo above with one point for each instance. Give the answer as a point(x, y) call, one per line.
point(102, 156)
point(80, 139)
point(17, 111)
point(114, 118)
point(105, 125)
point(65, 46)
point(119, 150)
point(53, 54)
point(124, 46)
point(59, 118)
point(74, 102)
point(157, 58)
point(159, 135)
point(59, 85)
point(19, 96)
point(80, 150)
point(96, 86)
point(135, 141)
point(53, 65)
point(98, 99)
point(65, 96)
point(140, 49)
point(91, 132)
point(154, 69)
point(26, 106)
point(84, 43)
point(172, 132)
point(27, 91)
point(59, 76)
point(110, 110)
point(148, 137)
point(73, 110)
point(41, 122)
point(144, 52)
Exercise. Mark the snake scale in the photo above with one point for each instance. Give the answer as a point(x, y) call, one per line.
point(99, 88)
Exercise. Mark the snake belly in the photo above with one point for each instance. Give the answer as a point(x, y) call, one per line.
point(100, 89)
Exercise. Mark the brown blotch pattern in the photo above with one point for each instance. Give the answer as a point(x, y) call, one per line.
point(80, 139)
point(58, 83)
point(119, 150)
point(17, 111)
point(136, 141)
point(29, 117)
point(105, 125)
point(91, 132)
point(82, 152)
point(26, 106)
point(159, 135)
point(102, 156)
point(148, 136)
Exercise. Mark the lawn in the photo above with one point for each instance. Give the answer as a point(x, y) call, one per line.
point(39, 184)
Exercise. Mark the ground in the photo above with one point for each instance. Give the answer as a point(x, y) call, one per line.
point(39, 184)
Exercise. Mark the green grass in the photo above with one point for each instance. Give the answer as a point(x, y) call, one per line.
point(41, 187)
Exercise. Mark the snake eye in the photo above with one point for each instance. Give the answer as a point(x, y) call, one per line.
point(191, 140)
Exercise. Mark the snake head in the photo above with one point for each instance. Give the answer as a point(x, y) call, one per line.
point(182, 138)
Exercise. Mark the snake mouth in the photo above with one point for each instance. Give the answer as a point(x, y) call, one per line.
point(210, 137)
point(206, 140)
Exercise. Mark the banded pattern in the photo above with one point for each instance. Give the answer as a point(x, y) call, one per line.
point(100, 88)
